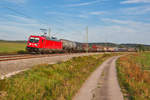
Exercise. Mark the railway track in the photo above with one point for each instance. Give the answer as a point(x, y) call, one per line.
point(26, 56)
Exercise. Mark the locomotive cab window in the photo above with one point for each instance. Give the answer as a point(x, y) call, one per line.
point(34, 40)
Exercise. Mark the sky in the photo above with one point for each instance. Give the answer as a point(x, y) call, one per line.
point(117, 21)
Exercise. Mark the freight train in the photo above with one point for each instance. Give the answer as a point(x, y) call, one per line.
point(43, 44)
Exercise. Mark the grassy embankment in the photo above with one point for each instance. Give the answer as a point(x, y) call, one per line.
point(134, 76)
point(51, 82)
point(11, 47)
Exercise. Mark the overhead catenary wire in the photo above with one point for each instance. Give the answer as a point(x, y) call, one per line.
point(40, 22)
point(15, 11)
point(24, 15)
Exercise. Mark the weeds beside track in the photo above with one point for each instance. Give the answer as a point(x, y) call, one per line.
point(134, 76)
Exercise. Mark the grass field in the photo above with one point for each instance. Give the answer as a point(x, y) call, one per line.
point(11, 47)
point(134, 76)
point(51, 82)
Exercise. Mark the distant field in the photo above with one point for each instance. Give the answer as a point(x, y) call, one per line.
point(134, 76)
point(11, 47)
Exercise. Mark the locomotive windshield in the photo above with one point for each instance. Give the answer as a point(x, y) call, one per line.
point(34, 40)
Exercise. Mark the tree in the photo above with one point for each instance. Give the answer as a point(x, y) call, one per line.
point(141, 47)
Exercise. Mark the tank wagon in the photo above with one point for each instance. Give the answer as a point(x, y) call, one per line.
point(68, 45)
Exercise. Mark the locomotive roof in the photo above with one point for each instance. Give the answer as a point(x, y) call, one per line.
point(45, 37)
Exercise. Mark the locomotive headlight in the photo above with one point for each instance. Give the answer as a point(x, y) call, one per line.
point(36, 44)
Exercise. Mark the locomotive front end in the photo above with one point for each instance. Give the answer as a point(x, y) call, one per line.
point(33, 44)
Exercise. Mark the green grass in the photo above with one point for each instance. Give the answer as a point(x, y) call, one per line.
point(143, 60)
point(134, 76)
point(51, 82)
point(11, 47)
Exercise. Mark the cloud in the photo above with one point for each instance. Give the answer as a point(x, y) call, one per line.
point(22, 19)
point(128, 23)
point(135, 1)
point(136, 10)
point(57, 13)
point(116, 21)
point(80, 14)
point(83, 16)
point(67, 14)
point(88, 14)
point(119, 34)
point(18, 28)
point(120, 31)
point(97, 13)
point(84, 4)
point(111, 33)
point(16, 1)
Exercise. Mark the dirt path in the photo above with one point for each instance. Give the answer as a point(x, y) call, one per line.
point(102, 84)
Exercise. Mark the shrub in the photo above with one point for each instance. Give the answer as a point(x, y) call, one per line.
point(22, 52)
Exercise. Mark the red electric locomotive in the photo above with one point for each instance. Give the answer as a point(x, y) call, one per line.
point(42, 44)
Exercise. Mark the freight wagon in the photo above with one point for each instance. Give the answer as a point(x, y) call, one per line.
point(68, 46)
